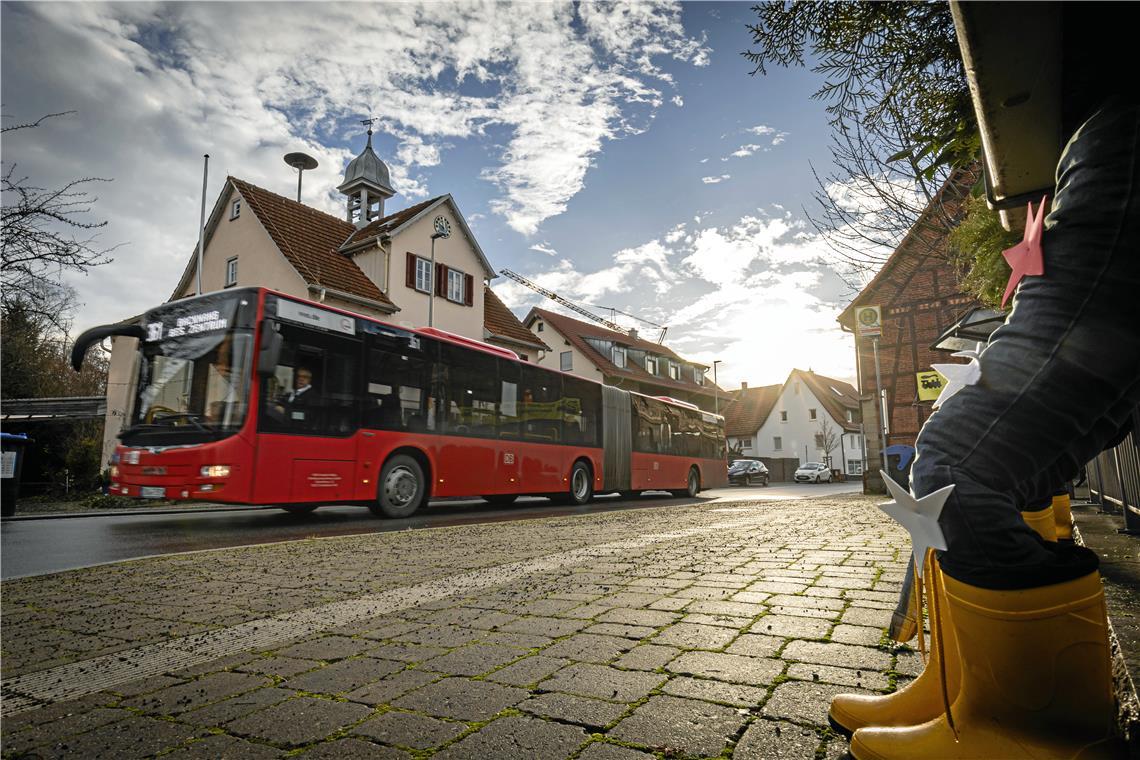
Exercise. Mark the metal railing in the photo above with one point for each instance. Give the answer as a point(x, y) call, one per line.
point(1114, 481)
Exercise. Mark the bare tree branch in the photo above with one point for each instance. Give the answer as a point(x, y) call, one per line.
point(44, 233)
point(900, 109)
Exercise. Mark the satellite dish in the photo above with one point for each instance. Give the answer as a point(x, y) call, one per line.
point(301, 162)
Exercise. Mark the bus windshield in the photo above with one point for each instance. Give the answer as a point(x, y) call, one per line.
point(194, 372)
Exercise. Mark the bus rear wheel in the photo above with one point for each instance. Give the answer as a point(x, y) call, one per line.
point(693, 484)
point(401, 489)
point(501, 499)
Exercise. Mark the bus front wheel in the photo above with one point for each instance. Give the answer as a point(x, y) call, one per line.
point(402, 488)
point(581, 484)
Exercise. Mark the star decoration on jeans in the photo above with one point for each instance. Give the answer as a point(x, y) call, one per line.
point(958, 376)
point(1025, 258)
point(918, 516)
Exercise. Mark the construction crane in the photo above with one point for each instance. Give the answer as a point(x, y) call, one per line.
point(559, 299)
point(584, 312)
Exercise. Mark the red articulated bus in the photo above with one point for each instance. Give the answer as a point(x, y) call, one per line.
point(249, 396)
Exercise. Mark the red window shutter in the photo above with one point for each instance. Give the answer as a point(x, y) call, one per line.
point(410, 275)
point(441, 280)
point(469, 290)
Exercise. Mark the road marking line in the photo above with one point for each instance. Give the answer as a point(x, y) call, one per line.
point(79, 679)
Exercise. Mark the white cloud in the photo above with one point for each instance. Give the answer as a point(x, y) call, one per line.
point(716, 179)
point(678, 101)
point(155, 86)
point(751, 148)
point(544, 248)
point(752, 294)
point(744, 151)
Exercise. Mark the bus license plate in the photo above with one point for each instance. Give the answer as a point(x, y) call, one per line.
point(152, 492)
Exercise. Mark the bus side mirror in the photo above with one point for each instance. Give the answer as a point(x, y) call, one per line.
point(270, 349)
point(96, 335)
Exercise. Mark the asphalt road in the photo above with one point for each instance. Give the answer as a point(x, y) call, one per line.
point(39, 546)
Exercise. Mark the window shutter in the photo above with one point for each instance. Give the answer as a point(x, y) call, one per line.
point(469, 290)
point(410, 274)
point(441, 280)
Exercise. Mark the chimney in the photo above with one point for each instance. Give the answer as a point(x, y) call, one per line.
point(743, 385)
point(633, 333)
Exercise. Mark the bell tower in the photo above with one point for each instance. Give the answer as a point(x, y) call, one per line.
point(367, 184)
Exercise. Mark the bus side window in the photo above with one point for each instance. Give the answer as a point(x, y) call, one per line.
point(473, 392)
point(581, 410)
point(313, 390)
point(541, 402)
point(397, 396)
point(338, 413)
point(642, 426)
point(510, 400)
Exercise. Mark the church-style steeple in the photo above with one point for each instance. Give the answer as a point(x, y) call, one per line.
point(367, 184)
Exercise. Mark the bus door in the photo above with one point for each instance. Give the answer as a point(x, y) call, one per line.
point(309, 414)
point(399, 406)
point(545, 468)
point(647, 420)
point(467, 385)
point(508, 463)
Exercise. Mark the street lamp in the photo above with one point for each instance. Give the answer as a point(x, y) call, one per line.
point(442, 230)
point(716, 388)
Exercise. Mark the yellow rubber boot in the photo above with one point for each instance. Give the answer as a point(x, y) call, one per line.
point(1063, 517)
point(920, 700)
point(1043, 522)
point(1036, 680)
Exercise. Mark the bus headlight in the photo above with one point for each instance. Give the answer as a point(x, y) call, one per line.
point(215, 471)
point(114, 471)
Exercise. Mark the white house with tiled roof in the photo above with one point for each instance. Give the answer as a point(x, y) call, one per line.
point(367, 262)
point(790, 421)
point(620, 359)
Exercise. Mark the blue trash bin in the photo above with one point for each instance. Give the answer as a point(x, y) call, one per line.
point(11, 464)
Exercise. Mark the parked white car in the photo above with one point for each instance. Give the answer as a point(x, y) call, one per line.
point(813, 472)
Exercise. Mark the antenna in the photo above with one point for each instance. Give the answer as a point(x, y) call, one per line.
point(302, 162)
point(559, 299)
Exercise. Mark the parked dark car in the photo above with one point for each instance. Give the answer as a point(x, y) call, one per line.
point(747, 471)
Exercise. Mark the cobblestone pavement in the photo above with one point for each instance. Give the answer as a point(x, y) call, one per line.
point(677, 632)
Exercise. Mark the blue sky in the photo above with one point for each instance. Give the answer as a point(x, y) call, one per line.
point(591, 148)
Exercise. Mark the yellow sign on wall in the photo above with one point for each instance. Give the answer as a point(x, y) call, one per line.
point(869, 321)
point(930, 384)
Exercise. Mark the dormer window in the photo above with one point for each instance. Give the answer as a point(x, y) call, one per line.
point(651, 365)
point(235, 209)
point(618, 357)
point(674, 371)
